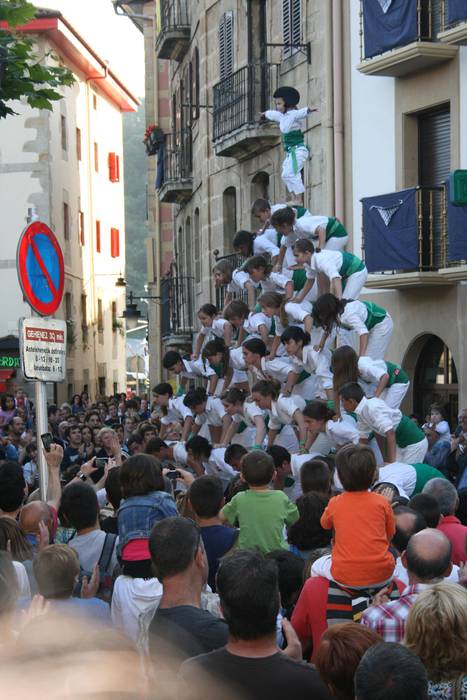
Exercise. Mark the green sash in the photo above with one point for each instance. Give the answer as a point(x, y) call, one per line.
point(291, 141)
point(335, 229)
point(300, 211)
point(376, 314)
point(408, 433)
point(299, 280)
point(242, 426)
point(396, 374)
point(302, 376)
point(218, 369)
point(350, 264)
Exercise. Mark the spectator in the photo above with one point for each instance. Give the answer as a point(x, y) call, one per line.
point(428, 508)
point(135, 444)
point(180, 628)
point(408, 522)
point(448, 500)
point(7, 409)
point(428, 560)
point(13, 489)
point(290, 570)
point(38, 522)
point(56, 569)
point(76, 405)
point(456, 463)
point(147, 432)
point(339, 653)
point(315, 476)
point(9, 594)
point(14, 448)
point(306, 534)
point(74, 454)
point(206, 497)
point(93, 419)
point(388, 672)
point(30, 467)
point(436, 631)
point(79, 509)
point(251, 665)
point(114, 496)
point(13, 541)
point(260, 512)
point(439, 446)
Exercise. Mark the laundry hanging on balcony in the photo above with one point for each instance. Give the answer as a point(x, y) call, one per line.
point(387, 25)
point(457, 230)
point(390, 231)
point(457, 11)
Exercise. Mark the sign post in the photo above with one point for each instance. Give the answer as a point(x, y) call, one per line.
point(41, 274)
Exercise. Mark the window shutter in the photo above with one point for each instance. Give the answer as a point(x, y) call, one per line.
point(286, 27)
point(226, 45)
point(114, 242)
point(291, 25)
point(296, 22)
point(98, 236)
point(114, 167)
point(81, 227)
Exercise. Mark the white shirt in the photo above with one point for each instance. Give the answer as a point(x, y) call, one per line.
point(296, 315)
point(250, 412)
point(282, 411)
point(371, 370)
point(275, 282)
point(179, 453)
point(404, 476)
point(342, 432)
point(401, 573)
point(131, 598)
point(195, 368)
point(176, 411)
point(254, 321)
point(239, 279)
point(354, 315)
point(374, 415)
point(329, 262)
point(24, 589)
point(303, 228)
point(279, 368)
point(213, 413)
point(217, 328)
point(217, 466)
point(292, 120)
point(266, 243)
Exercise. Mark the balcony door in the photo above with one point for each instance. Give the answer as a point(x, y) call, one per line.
point(257, 32)
point(434, 165)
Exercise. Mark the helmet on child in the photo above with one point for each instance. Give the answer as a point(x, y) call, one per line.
point(290, 95)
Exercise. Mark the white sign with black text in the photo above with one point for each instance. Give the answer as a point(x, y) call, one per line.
point(43, 349)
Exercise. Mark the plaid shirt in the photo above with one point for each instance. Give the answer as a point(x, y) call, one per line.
point(388, 619)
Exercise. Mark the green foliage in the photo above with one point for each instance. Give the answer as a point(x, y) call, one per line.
point(135, 199)
point(23, 73)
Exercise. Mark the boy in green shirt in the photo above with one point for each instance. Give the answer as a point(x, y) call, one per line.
point(261, 513)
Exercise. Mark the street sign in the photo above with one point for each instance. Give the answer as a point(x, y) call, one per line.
point(43, 349)
point(39, 261)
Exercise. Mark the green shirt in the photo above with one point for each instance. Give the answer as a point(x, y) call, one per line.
point(396, 374)
point(425, 472)
point(376, 314)
point(261, 516)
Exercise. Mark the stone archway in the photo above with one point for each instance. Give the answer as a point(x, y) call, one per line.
point(433, 373)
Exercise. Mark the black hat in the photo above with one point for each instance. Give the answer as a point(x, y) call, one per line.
point(290, 95)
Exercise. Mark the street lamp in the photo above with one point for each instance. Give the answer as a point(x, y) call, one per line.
point(131, 314)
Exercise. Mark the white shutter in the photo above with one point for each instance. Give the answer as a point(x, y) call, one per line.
point(226, 45)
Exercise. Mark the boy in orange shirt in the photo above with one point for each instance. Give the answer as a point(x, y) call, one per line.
point(363, 524)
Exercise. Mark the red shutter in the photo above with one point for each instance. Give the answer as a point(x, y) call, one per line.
point(81, 228)
point(114, 167)
point(114, 242)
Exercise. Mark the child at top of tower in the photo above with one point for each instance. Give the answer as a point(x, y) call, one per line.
point(290, 120)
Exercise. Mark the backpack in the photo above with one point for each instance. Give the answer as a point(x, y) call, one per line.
point(106, 578)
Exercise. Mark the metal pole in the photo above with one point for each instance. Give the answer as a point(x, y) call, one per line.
point(40, 396)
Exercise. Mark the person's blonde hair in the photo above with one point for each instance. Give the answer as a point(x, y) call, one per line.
point(436, 630)
point(56, 568)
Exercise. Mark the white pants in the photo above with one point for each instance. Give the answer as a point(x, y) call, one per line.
point(394, 395)
point(246, 438)
point(412, 454)
point(293, 181)
point(355, 284)
point(379, 339)
point(287, 439)
point(309, 389)
point(336, 243)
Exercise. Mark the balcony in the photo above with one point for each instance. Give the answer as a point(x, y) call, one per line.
point(221, 292)
point(177, 317)
point(177, 183)
point(173, 38)
point(238, 99)
point(453, 22)
point(398, 46)
point(405, 239)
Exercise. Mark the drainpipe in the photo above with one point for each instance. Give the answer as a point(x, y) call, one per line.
point(327, 119)
point(157, 253)
point(338, 108)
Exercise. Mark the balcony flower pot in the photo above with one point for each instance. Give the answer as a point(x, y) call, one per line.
point(153, 139)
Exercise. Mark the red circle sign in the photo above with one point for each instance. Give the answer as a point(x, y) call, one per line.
point(41, 272)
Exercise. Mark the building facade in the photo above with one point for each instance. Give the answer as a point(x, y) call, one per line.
point(66, 167)
point(391, 120)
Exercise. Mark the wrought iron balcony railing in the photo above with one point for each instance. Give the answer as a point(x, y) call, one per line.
point(177, 294)
point(178, 155)
point(240, 97)
point(235, 261)
point(174, 31)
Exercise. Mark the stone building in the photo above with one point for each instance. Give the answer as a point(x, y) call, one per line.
point(66, 165)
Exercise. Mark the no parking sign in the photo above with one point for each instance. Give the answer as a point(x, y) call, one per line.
point(41, 273)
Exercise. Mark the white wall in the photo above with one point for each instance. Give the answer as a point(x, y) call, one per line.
point(373, 114)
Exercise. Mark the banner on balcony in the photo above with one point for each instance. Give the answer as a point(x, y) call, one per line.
point(388, 24)
point(457, 230)
point(457, 10)
point(390, 231)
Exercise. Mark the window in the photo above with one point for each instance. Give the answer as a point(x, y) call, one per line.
point(68, 307)
point(63, 132)
point(114, 167)
point(229, 215)
point(197, 242)
point(114, 313)
point(84, 317)
point(225, 33)
point(194, 89)
point(66, 221)
point(98, 236)
point(100, 316)
point(78, 144)
point(96, 157)
point(291, 25)
point(81, 227)
point(114, 242)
